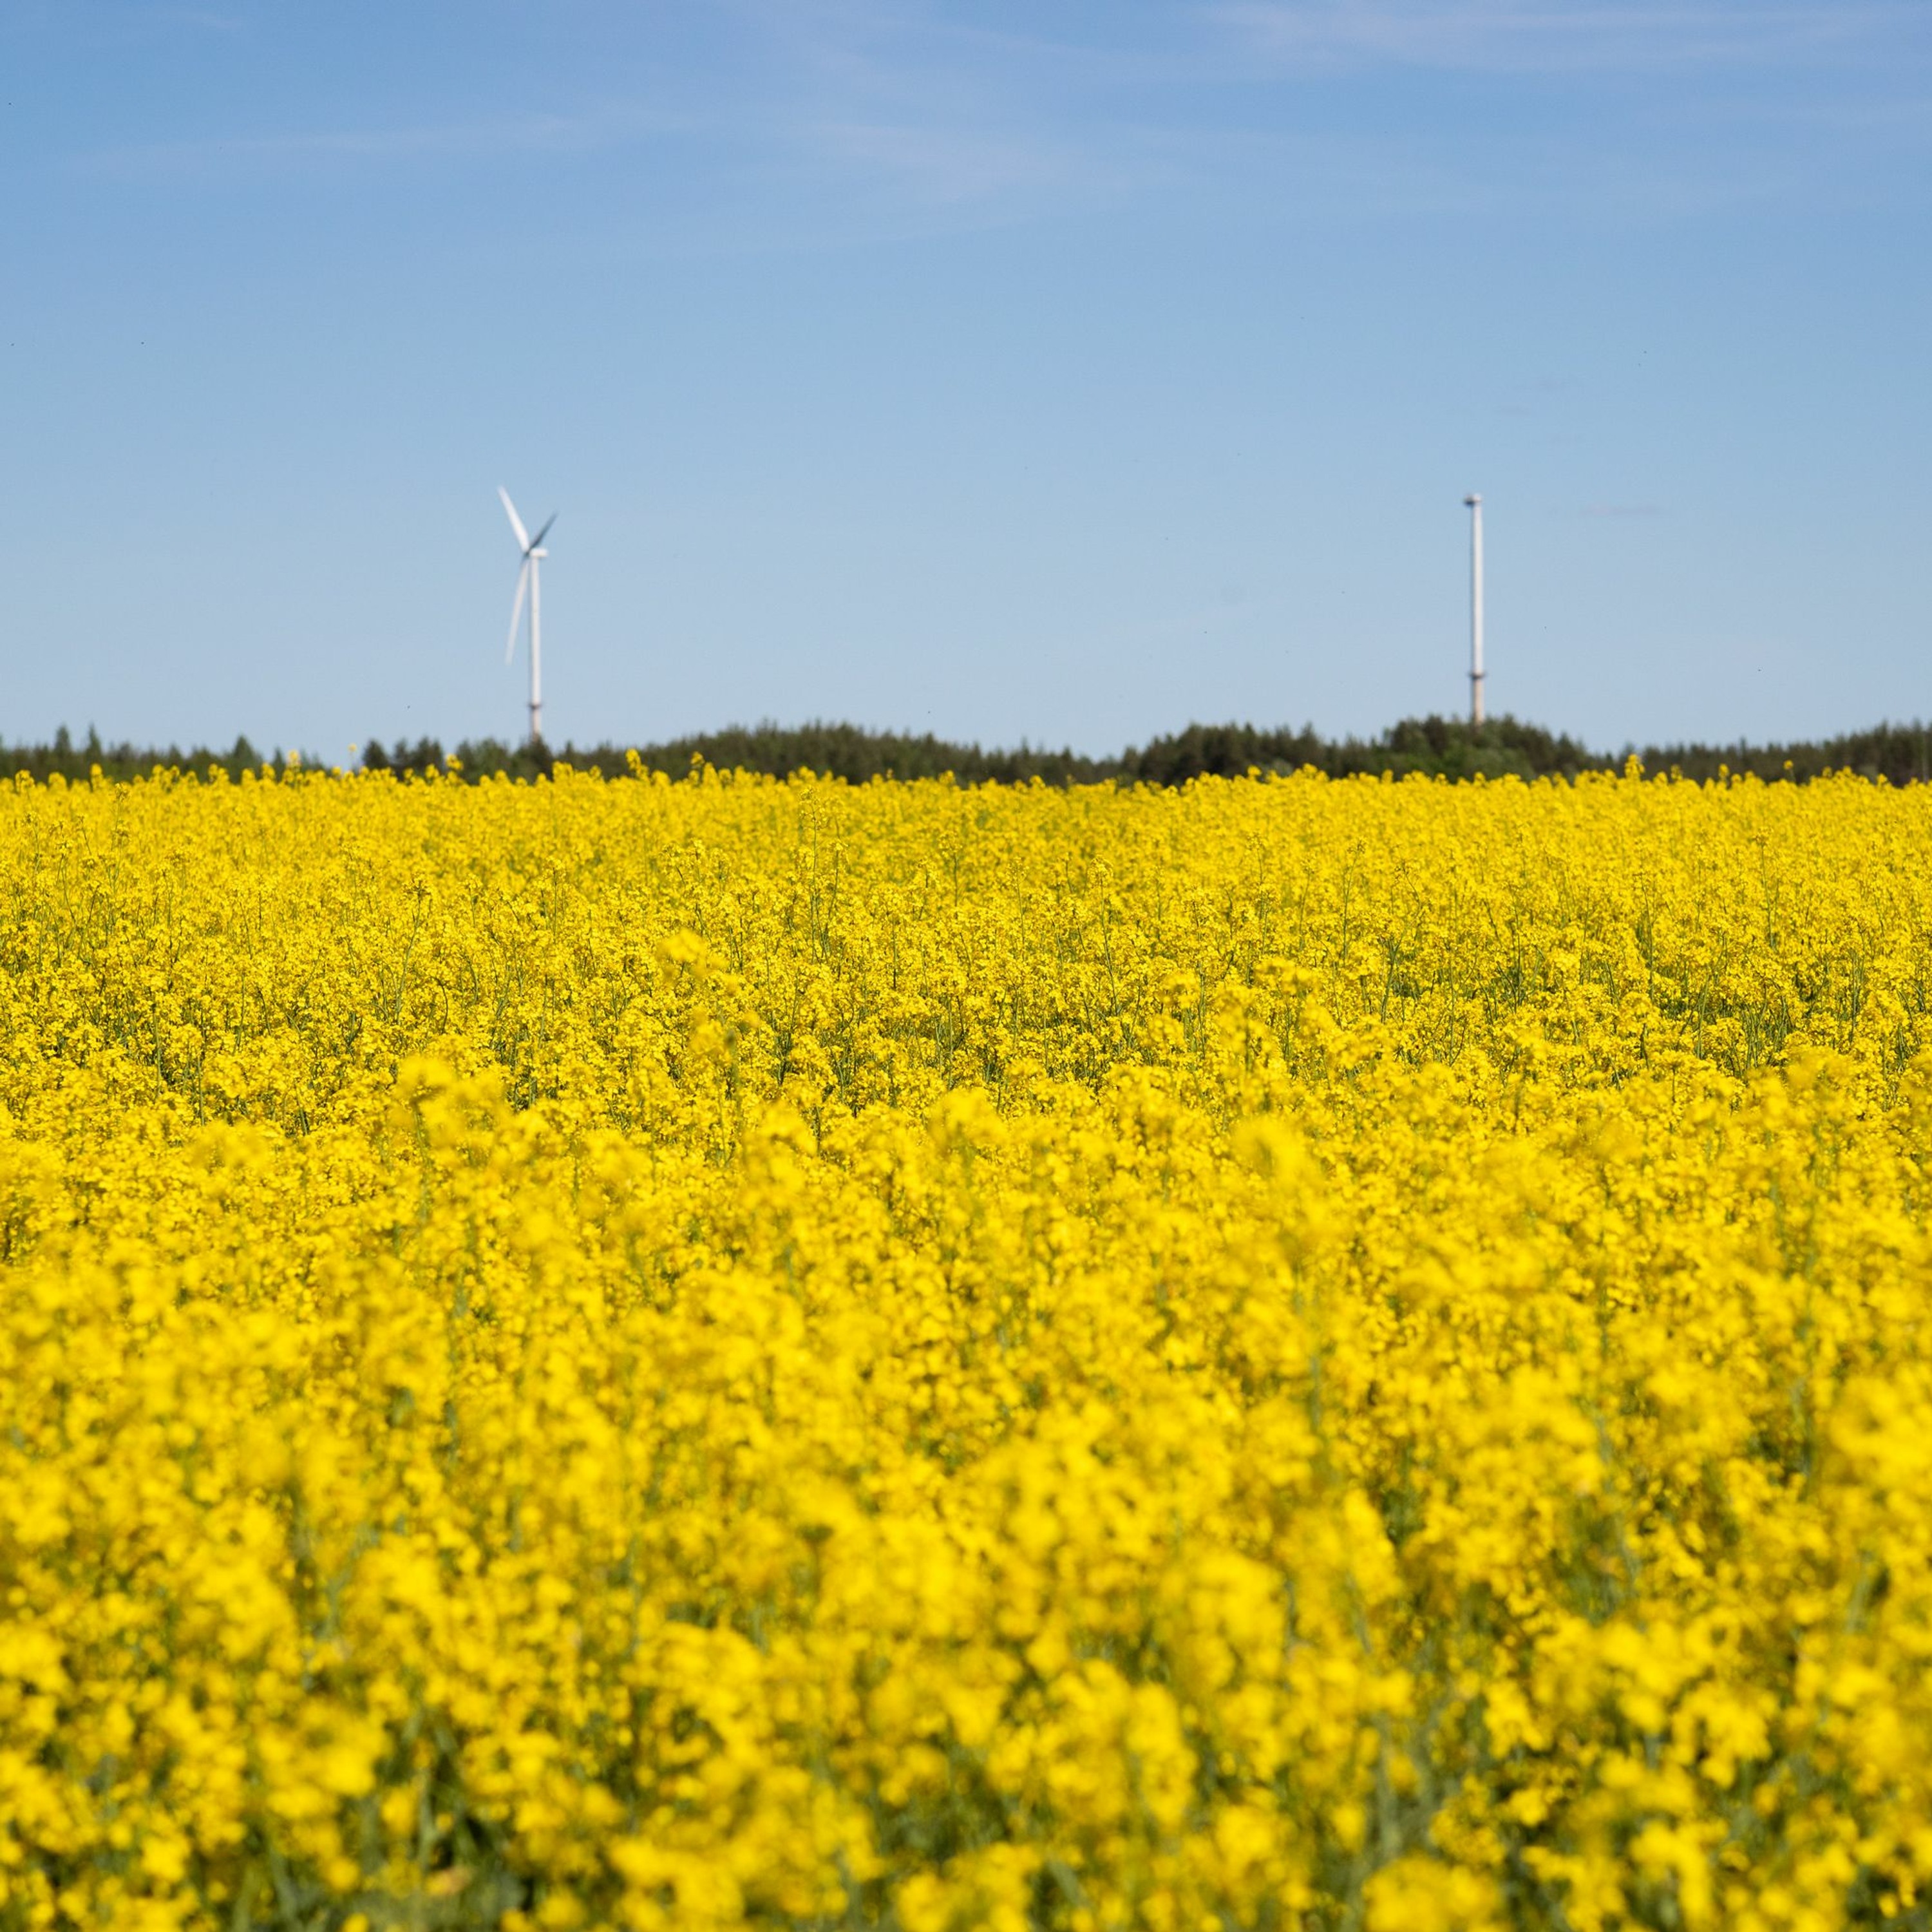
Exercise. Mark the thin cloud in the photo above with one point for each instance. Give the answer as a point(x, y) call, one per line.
point(953, 167)
point(894, 118)
point(530, 133)
point(204, 19)
point(1533, 35)
point(109, 25)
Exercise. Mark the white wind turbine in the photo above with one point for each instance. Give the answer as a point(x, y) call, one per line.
point(534, 554)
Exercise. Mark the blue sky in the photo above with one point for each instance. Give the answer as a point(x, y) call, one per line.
point(1065, 371)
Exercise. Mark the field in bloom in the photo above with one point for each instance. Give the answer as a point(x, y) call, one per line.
point(1287, 1354)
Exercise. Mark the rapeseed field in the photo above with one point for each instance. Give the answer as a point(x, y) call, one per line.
point(1291, 1354)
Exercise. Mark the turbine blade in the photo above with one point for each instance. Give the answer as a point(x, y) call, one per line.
point(544, 532)
point(517, 609)
point(516, 521)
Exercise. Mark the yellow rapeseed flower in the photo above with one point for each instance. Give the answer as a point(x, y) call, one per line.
point(1283, 1355)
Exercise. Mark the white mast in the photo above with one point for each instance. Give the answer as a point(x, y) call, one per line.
point(1475, 503)
point(536, 647)
point(527, 579)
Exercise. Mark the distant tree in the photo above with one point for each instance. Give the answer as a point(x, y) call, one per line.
point(1432, 746)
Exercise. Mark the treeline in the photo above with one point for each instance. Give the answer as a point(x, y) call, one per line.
point(1445, 747)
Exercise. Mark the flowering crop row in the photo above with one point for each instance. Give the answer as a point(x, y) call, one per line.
point(1289, 1354)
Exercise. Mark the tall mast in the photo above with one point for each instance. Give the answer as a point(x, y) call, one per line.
point(536, 648)
point(1475, 503)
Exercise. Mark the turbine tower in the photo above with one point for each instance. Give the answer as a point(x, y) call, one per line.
point(534, 554)
point(1475, 506)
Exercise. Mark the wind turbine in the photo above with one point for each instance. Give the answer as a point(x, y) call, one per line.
point(534, 554)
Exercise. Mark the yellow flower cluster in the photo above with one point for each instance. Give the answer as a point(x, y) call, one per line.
point(1287, 1354)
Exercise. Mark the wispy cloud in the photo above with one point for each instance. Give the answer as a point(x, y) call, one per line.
point(850, 119)
point(111, 20)
point(205, 20)
point(1533, 35)
point(950, 166)
point(526, 134)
